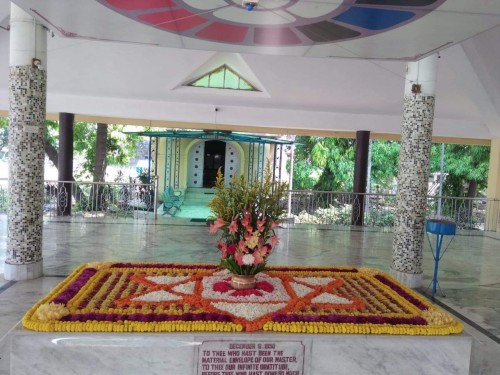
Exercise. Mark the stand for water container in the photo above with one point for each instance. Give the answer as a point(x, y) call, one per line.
point(440, 228)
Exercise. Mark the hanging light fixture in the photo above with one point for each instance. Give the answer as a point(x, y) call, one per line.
point(250, 4)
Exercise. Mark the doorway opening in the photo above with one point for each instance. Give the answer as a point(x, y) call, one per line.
point(215, 158)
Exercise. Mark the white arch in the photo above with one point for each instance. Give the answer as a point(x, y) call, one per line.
point(195, 150)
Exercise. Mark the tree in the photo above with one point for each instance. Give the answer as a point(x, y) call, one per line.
point(100, 145)
point(324, 163)
point(4, 132)
point(466, 167)
point(328, 163)
point(385, 160)
point(305, 173)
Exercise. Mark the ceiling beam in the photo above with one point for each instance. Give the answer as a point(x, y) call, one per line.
point(254, 129)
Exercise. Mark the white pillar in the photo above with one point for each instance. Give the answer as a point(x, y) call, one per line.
point(413, 173)
point(493, 191)
point(27, 97)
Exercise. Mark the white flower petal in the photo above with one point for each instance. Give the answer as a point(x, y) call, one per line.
point(331, 298)
point(248, 259)
point(249, 311)
point(301, 290)
point(157, 296)
point(314, 280)
point(187, 288)
point(165, 280)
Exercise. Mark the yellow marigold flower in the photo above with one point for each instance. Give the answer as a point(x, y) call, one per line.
point(99, 265)
point(51, 311)
point(437, 317)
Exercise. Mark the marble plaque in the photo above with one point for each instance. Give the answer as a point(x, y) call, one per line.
point(220, 357)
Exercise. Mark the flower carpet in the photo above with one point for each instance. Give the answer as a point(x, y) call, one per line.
point(158, 297)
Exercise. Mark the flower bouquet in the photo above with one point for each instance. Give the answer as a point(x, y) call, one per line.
point(246, 216)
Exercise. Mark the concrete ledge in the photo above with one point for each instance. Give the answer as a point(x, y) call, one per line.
point(182, 353)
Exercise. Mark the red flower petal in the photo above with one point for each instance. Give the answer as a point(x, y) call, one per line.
point(222, 287)
point(265, 286)
point(246, 292)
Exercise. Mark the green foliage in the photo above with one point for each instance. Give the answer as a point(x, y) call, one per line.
point(120, 147)
point(327, 164)
point(305, 175)
point(4, 132)
point(263, 197)
point(247, 214)
point(143, 177)
point(385, 159)
point(380, 217)
point(232, 265)
point(462, 164)
point(52, 133)
point(323, 163)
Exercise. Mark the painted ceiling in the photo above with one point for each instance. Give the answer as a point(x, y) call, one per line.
point(321, 65)
point(388, 29)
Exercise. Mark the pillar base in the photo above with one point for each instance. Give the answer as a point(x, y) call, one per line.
point(18, 272)
point(411, 280)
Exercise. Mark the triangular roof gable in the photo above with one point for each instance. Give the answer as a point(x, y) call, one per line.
point(223, 77)
point(233, 61)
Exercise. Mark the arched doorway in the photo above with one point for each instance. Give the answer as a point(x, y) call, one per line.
point(205, 158)
point(214, 158)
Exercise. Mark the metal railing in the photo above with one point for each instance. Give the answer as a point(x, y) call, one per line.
point(93, 199)
point(103, 199)
point(341, 208)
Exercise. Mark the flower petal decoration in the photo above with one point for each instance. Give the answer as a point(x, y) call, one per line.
point(247, 214)
point(51, 311)
point(219, 223)
point(161, 297)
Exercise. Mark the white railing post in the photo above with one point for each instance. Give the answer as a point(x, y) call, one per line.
point(290, 182)
point(155, 198)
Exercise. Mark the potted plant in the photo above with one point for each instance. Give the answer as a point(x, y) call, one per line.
point(247, 214)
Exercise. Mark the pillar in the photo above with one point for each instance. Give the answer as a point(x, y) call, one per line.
point(65, 162)
point(413, 172)
point(493, 191)
point(27, 91)
point(360, 176)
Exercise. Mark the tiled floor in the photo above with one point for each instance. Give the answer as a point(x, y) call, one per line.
point(468, 272)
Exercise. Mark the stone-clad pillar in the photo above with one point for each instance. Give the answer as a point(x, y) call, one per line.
point(27, 92)
point(413, 173)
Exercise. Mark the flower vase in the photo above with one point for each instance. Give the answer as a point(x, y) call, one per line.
point(241, 282)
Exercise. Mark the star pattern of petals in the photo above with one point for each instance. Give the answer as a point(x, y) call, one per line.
point(211, 291)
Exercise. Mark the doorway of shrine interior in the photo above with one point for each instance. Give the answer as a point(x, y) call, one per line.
point(205, 159)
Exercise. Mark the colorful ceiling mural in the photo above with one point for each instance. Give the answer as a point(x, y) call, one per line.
point(274, 22)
